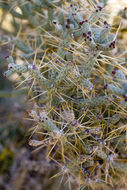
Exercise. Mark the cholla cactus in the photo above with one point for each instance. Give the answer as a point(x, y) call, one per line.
point(80, 105)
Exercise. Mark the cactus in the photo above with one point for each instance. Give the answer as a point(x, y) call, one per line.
point(79, 103)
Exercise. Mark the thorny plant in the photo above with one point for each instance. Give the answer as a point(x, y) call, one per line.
point(78, 83)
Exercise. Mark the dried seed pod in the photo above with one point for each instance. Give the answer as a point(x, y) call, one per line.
point(35, 142)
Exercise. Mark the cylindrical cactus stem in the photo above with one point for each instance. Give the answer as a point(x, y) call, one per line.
point(40, 3)
point(62, 20)
point(10, 59)
point(53, 72)
point(116, 90)
point(28, 13)
point(87, 66)
point(83, 30)
point(105, 47)
point(62, 75)
point(69, 56)
point(61, 53)
point(14, 13)
point(8, 73)
point(48, 125)
point(64, 45)
point(123, 103)
point(15, 68)
point(50, 14)
point(78, 17)
point(18, 68)
point(22, 46)
point(83, 82)
point(86, 148)
point(121, 143)
point(71, 19)
point(125, 86)
point(35, 72)
point(78, 33)
point(95, 15)
point(95, 102)
point(113, 120)
point(86, 27)
point(120, 75)
point(103, 34)
point(87, 84)
point(120, 167)
point(111, 38)
point(100, 153)
point(66, 42)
